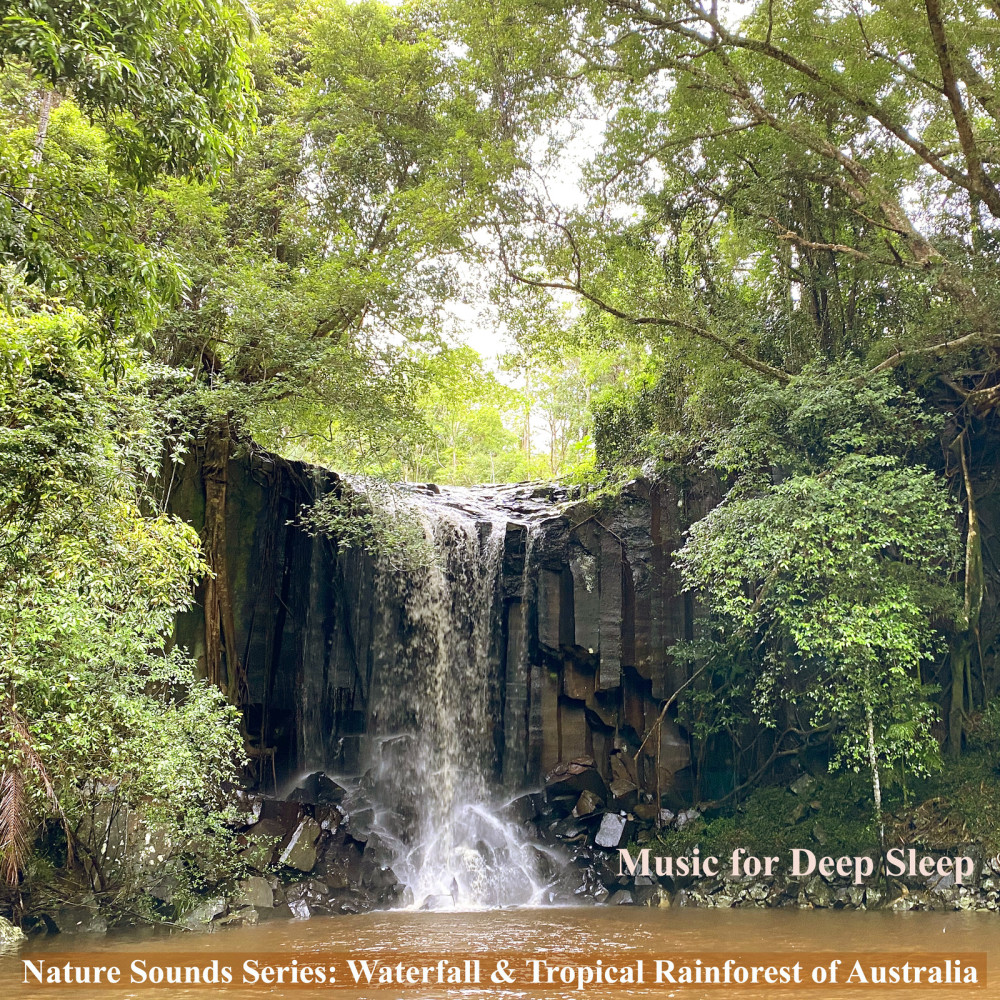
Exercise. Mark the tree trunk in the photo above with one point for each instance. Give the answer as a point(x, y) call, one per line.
point(38, 149)
point(959, 660)
point(961, 647)
point(876, 777)
point(222, 659)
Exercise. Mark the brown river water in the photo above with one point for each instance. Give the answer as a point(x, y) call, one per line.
point(567, 938)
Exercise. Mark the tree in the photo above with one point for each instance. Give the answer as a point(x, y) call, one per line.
point(321, 264)
point(99, 716)
point(801, 122)
point(165, 89)
point(833, 575)
point(166, 81)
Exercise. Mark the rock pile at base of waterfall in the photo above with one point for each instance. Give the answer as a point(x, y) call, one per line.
point(313, 857)
point(308, 857)
point(304, 855)
point(591, 819)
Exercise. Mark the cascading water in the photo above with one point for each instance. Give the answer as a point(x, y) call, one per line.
point(433, 734)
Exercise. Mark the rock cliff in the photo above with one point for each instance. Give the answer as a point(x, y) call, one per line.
point(585, 611)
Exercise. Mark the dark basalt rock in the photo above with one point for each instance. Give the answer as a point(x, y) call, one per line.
point(565, 783)
point(588, 804)
point(526, 808)
point(317, 789)
point(77, 919)
point(586, 608)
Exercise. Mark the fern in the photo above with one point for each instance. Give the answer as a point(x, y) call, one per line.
point(15, 807)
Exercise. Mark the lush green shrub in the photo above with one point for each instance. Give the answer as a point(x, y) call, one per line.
point(104, 727)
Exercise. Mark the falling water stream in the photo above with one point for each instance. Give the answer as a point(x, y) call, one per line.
point(432, 751)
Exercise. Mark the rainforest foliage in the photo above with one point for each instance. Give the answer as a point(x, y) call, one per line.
point(485, 242)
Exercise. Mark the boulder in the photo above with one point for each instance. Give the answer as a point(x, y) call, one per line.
point(850, 897)
point(204, 913)
point(566, 782)
point(622, 766)
point(339, 862)
point(280, 912)
point(802, 785)
point(73, 919)
point(943, 885)
point(312, 892)
point(685, 817)
point(300, 851)
point(526, 808)
point(646, 811)
point(625, 794)
point(357, 902)
point(360, 822)
point(246, 806)
point(568, 828)
point(606, 865)
point(378, 879)
point(377, 851)
point(614, 831)
point(317, 789)
point(649, 895)
point(621, 898)
point(243, 916)
point(329, 817)
point(11, 936)
point(438, 901)
point(280, 812)
point(255, 892)
point(164, 889)
point(277, 821)
point(588, 804)
point(817, 892)
point(585, 884)
point(911, 901)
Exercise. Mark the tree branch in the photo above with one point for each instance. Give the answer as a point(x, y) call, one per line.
point(656, 321)
point(984, 186)
point(935, 351)
point(792, 237)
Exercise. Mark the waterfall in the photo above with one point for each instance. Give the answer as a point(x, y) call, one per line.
point(434, 719)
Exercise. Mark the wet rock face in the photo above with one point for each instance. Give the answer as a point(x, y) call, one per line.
point(532, 642)
point(586, 609)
